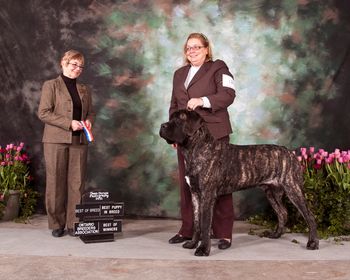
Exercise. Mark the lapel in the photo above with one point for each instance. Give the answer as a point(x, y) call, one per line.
point(201, 72)
point(183, 77)
point(63, 88)
point(81, 90)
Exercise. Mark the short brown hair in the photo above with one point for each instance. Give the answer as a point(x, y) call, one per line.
point(72, 54)
point(204, 40)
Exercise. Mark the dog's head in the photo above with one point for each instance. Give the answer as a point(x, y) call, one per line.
point(182, 125)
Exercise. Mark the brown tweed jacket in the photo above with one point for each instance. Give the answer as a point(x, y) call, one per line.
point(56, 110)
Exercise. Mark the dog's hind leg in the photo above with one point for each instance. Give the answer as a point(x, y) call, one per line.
point(296, 196)
point(274, 195)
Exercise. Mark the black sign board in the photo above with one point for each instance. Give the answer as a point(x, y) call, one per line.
point(97, 227)
point(97, 217)
point(105, 210)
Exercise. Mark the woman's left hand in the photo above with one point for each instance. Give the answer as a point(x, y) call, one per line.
point(193, 103)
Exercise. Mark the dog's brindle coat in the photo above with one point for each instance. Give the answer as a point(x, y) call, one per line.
point(214, 168)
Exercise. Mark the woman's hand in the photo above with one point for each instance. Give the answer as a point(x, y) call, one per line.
point(76, 125)
point(193, 103)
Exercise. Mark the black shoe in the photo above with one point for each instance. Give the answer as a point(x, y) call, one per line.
point(177, 238)
point(224, 244)
point(70, 231)
point(58, 232)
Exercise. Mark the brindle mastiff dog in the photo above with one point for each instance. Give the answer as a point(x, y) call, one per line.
point(215, 168)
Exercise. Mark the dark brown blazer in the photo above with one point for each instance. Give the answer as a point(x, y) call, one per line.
point(207, 82)
point(56, 110)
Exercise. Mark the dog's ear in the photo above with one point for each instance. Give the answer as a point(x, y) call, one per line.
point(193, 121)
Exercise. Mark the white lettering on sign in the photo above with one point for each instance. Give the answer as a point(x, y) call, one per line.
point(86, 228)
point(117, 211)
point(110, 229)
point(99, 195)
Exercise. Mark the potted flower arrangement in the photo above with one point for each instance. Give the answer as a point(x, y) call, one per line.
point(17, 197)
point(327, 192)
point(327, 188)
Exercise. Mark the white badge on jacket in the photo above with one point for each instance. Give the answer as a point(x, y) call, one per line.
point(227, 81)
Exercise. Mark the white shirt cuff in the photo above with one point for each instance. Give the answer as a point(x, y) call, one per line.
point(206, 102)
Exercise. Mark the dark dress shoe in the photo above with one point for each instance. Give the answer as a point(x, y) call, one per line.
point(177, 238)
point(58, 232)
point(224, 244)
point(71, 232)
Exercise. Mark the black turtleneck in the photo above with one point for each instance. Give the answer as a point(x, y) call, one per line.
point(71, 85)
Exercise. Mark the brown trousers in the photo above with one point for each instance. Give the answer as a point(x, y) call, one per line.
point(65, 180)
point(223, 215)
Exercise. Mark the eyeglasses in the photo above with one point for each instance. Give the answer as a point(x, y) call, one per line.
point(195, 48)
point(75, 66)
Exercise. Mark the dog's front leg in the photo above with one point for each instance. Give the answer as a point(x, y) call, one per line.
point(206, 214)
point(196, 223)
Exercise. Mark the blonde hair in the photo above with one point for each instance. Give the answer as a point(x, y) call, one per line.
point(204, 40)
point(72, 54)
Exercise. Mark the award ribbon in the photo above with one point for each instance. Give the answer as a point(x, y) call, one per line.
point(87, 131)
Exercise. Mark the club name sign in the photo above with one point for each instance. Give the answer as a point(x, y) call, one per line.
point(98, 217)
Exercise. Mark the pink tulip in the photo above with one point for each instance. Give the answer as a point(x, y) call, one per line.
point(312, 149)
point(340, 160)
point(299, 158)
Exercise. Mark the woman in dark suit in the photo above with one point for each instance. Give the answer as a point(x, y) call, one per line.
point(63, 104)
point(206, 86)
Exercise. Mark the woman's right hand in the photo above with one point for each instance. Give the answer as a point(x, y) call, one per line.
point(76, 125)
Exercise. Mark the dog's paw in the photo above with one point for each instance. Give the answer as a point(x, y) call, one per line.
point(312, 245)
point(190, 244)
point(202, 251)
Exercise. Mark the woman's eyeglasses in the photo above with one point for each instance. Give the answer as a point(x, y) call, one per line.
point(75, 66)
point(195, 48)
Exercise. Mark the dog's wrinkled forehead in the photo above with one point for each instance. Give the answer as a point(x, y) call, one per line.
point(190, 121)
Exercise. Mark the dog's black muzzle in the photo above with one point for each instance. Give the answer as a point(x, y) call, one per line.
point(163, 131)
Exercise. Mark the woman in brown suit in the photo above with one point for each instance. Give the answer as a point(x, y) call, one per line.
point(63, 104)
point(206, 86)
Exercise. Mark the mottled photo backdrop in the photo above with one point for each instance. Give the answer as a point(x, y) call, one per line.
point(290, 60)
